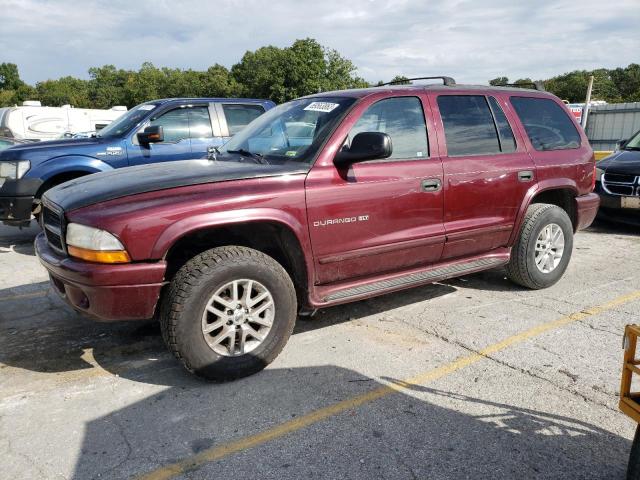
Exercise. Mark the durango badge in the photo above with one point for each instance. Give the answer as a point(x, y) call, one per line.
point(336, 221)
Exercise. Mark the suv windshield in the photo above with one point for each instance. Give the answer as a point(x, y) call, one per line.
point(290, 133)
point(126, 122)
point(633, 143)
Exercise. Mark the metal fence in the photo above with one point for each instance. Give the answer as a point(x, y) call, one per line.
point(606, 124)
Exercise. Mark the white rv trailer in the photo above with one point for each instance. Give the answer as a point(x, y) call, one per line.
point(32, 121)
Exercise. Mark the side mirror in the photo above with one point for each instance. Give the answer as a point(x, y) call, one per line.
point(620, 144)
point(152, 134)
point(365, 146)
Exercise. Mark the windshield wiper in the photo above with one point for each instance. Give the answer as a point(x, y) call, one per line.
point(631, 148)
point(246, 153)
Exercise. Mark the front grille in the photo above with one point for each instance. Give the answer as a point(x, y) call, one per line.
point(53, 226)
point(620, 178)
point(621, 184)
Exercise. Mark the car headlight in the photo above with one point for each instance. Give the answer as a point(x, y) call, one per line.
point(599, 173)
point(14, 169)
point(94, 245)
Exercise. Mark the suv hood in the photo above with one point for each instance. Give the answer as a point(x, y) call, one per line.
point(624, 161)
point(101, 187)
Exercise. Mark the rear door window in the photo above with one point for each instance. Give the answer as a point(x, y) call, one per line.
point(402, 118)
point(505, 134)
point(546, 123)
point(468, 125)
point(239, 116)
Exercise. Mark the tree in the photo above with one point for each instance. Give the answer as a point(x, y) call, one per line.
point(12, 89)
point(9, 77)
point(627, 82)
point(217, 81)
point(65, 90)
point(107, 86)
point(302, 69)
point(499, 81)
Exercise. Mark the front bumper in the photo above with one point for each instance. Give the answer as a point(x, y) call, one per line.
point(611, 208)
point(106, 292)
point(16, 199)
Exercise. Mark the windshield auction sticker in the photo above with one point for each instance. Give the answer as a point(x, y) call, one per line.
point(322, 106)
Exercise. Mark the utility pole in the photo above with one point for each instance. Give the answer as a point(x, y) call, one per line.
point(585, 112)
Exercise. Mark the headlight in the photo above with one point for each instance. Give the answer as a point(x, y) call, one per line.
point(14, 169)
point(94, 245)
point(599, 173)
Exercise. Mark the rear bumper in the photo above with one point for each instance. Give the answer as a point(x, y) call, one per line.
point(611, 208)
point(105, 292)
point(586, 210)
point(16, 199)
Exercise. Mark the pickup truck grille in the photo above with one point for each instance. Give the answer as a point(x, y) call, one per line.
point(621, 184)
point(53, 226)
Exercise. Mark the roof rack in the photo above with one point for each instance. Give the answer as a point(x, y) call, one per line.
point(448, 81)
point(535, 85)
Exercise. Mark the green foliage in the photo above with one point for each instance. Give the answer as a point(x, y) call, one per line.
point(304, 68)
point(499, 81)
point(281, 74)
point(12, 89)
point(66, 90)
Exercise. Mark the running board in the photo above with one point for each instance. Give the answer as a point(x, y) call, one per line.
point(415, 278)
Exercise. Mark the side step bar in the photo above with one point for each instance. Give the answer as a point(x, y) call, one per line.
point(349, 291)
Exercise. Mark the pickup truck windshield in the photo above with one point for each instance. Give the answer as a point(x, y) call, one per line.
point(633, 143)
point(126, 122)
point(290, 133)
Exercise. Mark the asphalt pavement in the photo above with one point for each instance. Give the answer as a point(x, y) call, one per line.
point(469, 378)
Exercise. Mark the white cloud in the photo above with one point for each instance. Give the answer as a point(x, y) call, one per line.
point(470, 40)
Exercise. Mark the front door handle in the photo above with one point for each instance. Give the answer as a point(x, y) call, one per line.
point(525, 175)
point(431, 185)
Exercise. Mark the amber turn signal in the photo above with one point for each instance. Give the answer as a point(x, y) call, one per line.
point(98, 256)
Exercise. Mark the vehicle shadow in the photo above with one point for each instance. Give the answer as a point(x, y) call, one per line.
point(19, 240)
point(418, 433)
point(40, 333)
point(622, 229)
point(494, 280)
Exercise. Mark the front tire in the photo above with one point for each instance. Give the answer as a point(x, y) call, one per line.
point(543, 250)
point(228, 313)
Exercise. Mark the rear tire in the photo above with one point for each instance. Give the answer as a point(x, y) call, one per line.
point(543, 250)
point(218, 330)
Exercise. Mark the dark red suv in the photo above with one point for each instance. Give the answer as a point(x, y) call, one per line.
point(323, 200)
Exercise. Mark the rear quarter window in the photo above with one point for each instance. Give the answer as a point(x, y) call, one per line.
point(547, 125)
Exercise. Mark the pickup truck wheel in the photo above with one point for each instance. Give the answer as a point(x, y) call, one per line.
point(543, 249)
point(228, 313)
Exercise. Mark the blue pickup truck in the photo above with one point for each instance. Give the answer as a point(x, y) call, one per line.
point(155, 131)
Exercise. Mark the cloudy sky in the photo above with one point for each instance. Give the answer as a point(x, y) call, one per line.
point(473, 41)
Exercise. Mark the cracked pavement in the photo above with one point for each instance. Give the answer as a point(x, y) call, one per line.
point(82, 400)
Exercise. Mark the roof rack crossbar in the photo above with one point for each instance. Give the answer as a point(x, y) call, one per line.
point(448, 81)
point(535, 85)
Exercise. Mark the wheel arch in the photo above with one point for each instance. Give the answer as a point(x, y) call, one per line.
point(66, 168)
point(559, 192)
point(275, 237)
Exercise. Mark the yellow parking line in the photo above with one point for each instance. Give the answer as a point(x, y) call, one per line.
point(40, 293)
point(216, 453)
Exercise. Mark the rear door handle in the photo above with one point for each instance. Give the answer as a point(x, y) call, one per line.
point(525, 175)
point(431, 185)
